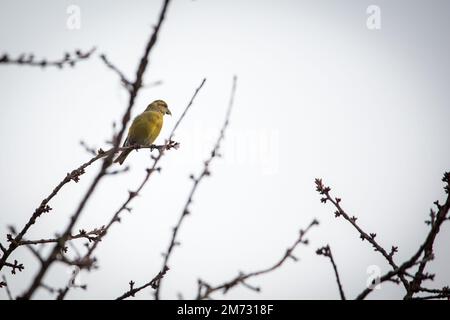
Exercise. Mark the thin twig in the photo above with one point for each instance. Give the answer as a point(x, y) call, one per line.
point(425, 249)
point(205, 290)
point(196, 181)
point(123, 79)
point(4, 283)
point(132, 194)
point(326, 252)
point(325, 192)
point(154, 283)
point(29, 60)
point(106, 162)
point(93, 235)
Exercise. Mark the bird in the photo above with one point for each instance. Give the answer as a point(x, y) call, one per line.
point(145, 127)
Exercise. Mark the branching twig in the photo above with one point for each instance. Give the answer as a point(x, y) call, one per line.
point(4, 283)
point(29, 60)
point(196, 181)
point(15, 266)
point(92, 235)
point(123, 79)
point(154, 283)
point(326, 252)
point(325, 192)
point(205, 290)
point(132, 194)
point(74, 175)
point(106, 162)
point(425, 250)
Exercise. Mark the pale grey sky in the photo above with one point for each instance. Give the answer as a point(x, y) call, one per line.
point(319, 95)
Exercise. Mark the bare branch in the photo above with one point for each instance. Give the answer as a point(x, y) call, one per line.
point(205, 290)
point(325, 192)
point(69, 59)
point(154, 283)
point(92, 235)
point(15, 266)
point(196, 181)
point(125, 82)
point(426, 249)
point(4, 283)
point(326, 252)
point(106, 162)
point(132, 194)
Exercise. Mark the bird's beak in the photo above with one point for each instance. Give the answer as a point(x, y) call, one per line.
point(168, 112)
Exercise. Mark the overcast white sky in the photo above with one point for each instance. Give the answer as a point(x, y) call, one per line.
point(319, 95)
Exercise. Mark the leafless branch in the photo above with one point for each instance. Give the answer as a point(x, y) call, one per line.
point(74, 175)
point(92, 235)
point(106, 162)
point(4, 283)
point(154, 283)
point(205, 290)
point(326, 252)
point(15, 266)
point(422, 256)
point(69, 59)
point(149, 171)
point(325, 192)
point(426, 249)
point(123, 79)
point(196, 181)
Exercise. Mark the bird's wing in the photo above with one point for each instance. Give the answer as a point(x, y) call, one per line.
point(154, 121)
point(145, 128)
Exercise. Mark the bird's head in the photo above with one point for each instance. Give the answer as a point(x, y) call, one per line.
point(160, 106)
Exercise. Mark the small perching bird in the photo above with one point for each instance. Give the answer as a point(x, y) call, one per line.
point(145, 127)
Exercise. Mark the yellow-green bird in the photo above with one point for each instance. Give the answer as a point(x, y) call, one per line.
point(145, 127)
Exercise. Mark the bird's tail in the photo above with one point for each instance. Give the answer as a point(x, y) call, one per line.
point(121, 158)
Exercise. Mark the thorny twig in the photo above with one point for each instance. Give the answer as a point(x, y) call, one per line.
point(326, 252)
point(69, 59)
point(205, 290)
point(106, 162)
point(196, 181)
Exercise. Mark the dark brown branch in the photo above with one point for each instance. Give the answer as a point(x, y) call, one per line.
point(326, 252)
point(74, 175)
point(93, 235)
point(425, 249)
point(62, 292)
point(15, 266)
point(154, 283)
point(389, 276)
point(205, 290)
point(196, 181)
point(432, 297)
point(69, 59)
point(123, 79)
point(106, 162)
point(325, 192)
point(132, 194)
point(4, 283)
